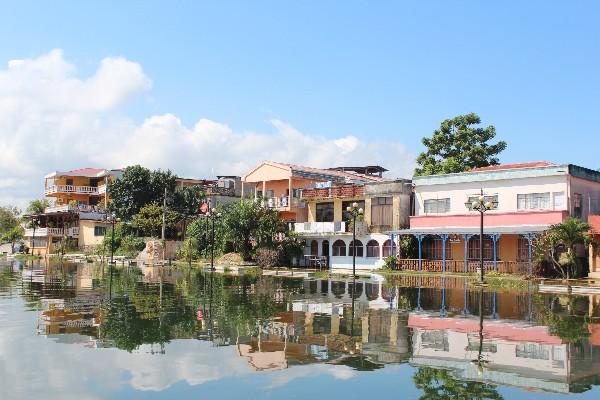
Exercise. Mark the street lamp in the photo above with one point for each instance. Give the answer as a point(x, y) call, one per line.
point(354, 212)
point(113, 220)
point(482, 205)
point(213, 214)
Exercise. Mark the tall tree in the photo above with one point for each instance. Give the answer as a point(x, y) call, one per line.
point(12, 236)
point(149, 220)
point(9, 218)
point(137, 187)
point(459, 145)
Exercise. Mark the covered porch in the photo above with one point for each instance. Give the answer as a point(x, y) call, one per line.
point(507, 249)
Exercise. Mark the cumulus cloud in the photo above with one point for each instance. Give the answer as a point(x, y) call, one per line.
point(53, 119)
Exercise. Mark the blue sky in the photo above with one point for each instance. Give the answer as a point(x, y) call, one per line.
point(385, 71)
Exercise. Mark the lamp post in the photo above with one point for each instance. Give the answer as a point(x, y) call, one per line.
point(212, 215)
point(481, 204)
point(354, 212)
point(113, 220)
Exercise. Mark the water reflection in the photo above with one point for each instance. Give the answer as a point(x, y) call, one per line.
point(461, 341)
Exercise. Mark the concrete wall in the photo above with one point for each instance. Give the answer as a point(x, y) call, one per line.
point(87, 239)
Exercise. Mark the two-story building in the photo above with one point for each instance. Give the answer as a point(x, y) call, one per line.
point(78, 202)
point(530, 197)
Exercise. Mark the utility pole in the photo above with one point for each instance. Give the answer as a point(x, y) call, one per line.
point(164, 222)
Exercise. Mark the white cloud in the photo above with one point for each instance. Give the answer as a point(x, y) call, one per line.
point(51, 119)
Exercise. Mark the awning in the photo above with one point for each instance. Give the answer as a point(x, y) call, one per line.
point(472, 230)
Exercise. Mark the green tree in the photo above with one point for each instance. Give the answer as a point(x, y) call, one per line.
point(9, 219)
point(458, 146)
point(149, 220)
point(37, 206)
point(137, 187)
point(559, 245)
point(438, 384)
point(249, 225)
point(13, 236)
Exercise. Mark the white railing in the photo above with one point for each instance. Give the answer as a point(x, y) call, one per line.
point(102, 189)
point(74, 208)
point(74, 232)
point(71, 189)
point(283, 202)
point(42, 232)
point(320, 227)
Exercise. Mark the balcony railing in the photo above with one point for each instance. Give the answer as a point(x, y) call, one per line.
point(335, 191)
point(507, 267)
point(70, 189)
point(319, 228)
point(102, 189)
point(42, 232)
point(219, 190)
point(74, 208)
point(283, 202)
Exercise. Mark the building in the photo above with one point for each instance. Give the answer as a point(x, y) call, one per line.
point(78, 201)
point(223, 190)
point(314, 201)
point(529, 197)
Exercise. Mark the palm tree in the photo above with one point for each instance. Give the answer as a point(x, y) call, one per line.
point(560, 243)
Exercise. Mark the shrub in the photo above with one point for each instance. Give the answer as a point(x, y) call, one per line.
point(390, 262)
point(267, 258)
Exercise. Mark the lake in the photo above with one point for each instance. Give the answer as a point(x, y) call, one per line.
point(82, 331)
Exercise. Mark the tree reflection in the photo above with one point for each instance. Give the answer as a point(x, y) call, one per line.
point(441, 384)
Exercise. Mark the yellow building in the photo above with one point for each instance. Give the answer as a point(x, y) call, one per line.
point(78, 202)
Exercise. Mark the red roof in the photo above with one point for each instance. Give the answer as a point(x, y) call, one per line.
point(514, 166)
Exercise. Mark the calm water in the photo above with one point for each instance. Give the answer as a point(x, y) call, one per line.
point(79, 332)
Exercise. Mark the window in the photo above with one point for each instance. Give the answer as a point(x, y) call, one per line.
point(99, 231)
point(577, 205)
point(533, 350)
point(339, 248)
point(387, 248)
point(373, 249)
point(69, 182)
point(296, 193)
point(381, 211)
point(324, 212)
point(488, 248)
point(314, 248)
point(432, 248)
point(270, 194)
point(359, 248)
point(492, 199)
point(346, 216)
point(559, 200)
point(522, 249)
point(436, 340)
point(436, 206)
point(533, 201)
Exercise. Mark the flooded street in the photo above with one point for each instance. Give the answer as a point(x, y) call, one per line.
point(79, 331)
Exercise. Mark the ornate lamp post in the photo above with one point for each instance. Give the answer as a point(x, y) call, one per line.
point(113, 220)
point(481, 205)
point(213, 214)
point(354, 212)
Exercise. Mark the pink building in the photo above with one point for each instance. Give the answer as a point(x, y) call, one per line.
point(530, 197)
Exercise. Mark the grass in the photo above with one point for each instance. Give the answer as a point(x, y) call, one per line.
point(27, 257)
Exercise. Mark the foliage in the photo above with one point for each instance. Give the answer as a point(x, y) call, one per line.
point(9, 219)
point(201, 230)
point(390, 262)
point(267, 258)
point(37, 206)
point(408, 247)
point(12, 236)
point(441, 384)
point(559, 244)
point(457, 146)
point(187, 201)
point(137, 187)
point(149, 221)
point(189, 250)
point(248, 225)
point(126, 242)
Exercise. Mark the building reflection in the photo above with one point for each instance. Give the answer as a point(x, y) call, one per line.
point(528, 340)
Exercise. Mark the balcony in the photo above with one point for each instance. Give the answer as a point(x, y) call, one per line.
point(102, 189)
point(283, 202)
point(319, 228)
point(220, 191)
point(43, 232)
point(53, 189)
point(334, 192)
point(73, 208)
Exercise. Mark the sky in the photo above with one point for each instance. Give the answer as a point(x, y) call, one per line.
point(206, 88)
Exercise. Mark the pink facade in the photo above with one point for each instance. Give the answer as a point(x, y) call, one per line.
point(492, 219)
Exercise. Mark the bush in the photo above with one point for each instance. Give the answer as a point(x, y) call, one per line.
point(390, 262)
point(267, 258)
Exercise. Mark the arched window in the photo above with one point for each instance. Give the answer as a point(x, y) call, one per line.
point(488, 248)
point(373, 248)
point(325, 248)
point(359, 248)
point(387, 248)
point(314, 248)
point(339, 248)
point(432, 248)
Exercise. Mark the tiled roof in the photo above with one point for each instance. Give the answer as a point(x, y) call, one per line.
point(514, 166)
point(329, 172)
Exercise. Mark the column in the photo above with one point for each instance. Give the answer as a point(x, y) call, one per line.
point(394, 329)
point(264, 189)
point(444, 240)
point(495, 238)
point(420, 240)
point(392, 244)
point(467, 238)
